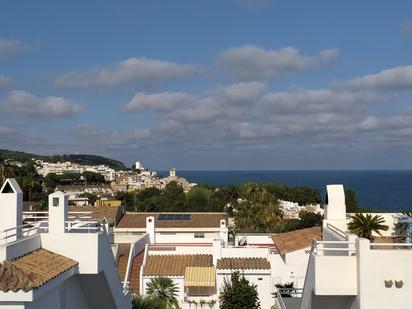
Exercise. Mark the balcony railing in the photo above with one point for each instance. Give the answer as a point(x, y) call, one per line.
point(334, 248)
point(285, 295)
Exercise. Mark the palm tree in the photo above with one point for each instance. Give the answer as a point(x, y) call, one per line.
point(364, 225)
point(147, 302)
point(164, 289)
point(401, 226)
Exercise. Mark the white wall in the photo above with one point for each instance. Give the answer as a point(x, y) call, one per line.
point(126, 238)
point(377, 265)
point(185, 237)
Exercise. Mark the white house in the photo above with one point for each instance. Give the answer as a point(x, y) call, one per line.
point(58, 263)
point(348, 272)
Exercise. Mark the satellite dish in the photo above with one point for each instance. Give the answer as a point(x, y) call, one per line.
point(243, 241)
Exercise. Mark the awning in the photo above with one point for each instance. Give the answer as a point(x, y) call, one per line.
point(200, 276)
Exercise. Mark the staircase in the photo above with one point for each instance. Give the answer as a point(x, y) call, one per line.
point(135, 273)
point(122, 261)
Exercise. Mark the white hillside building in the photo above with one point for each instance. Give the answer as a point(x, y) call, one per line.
point(58, 263)
point(348, 272)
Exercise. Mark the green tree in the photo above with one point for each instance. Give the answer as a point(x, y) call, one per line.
point(364, 225)
point(147, 302)
point(309, 219)
point(164, 289)
point(238, 293)
point(91, 197)
point(351, 201)
point(258, 211)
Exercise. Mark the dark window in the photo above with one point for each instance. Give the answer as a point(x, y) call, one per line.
point(55, 201)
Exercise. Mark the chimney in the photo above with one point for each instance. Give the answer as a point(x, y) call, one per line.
point(11, 207)
point(58, 208)
point(335, 208)
point(217, 250)
point(224, 233)
point(151, 229)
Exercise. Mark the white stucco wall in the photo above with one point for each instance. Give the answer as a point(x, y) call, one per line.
point(68, 295)
point(377, 265)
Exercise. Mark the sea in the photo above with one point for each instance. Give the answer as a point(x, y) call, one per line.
point(386, 191)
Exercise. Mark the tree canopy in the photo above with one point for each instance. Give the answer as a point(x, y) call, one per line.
point(238, 293)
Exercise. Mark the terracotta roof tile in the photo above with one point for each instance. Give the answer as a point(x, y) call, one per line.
point(174, 265)
point(243, 263)
point(198, 220)
point(33, 270)
point(295, 240)
point(112, 214)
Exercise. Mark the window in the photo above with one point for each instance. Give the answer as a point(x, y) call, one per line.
point(55, 201)
point(260, 279)
point(199, 235)
point(167, 233)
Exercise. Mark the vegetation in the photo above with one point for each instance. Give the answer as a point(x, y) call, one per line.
point(254, 207)
point(51, 181)
point(238, 293)
point(147, 302)
point(401, 226)
point(75, 158)
point(164, 289)
point(352, 203)
point(286, 289)
point(364, 225)
point(173, 198)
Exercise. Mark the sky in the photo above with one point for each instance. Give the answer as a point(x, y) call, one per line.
point(210, 84)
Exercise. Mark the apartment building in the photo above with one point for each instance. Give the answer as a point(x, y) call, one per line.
point(57, 262)
point(349, 272)
point(193, 250)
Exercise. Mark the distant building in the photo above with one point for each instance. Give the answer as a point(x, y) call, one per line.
point(138, 165)
point(108, 202)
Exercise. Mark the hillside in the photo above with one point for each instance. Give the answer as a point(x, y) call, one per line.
point(76, 158)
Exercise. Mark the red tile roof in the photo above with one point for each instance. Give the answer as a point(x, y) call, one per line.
point(174, 265)
point(295, 240)
point(198, 220)
point(33, 270)
point(243, 263)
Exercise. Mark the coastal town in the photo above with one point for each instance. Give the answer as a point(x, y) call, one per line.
point(61, 255)
point(219, 154)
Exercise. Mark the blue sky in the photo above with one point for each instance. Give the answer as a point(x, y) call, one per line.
point(217, 84)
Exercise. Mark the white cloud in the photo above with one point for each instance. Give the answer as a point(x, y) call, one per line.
point(397, 78)
point(133, 70)
point(5, 81)
point(239, 93)
point(160, 102)
point(251, 62)
point(25, 103)
point(10, 46)
point(319, 100)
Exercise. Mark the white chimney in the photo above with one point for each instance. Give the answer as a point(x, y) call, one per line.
point(217, 250)
point(151, 229)
point(58, 208)
point(335, 208)
point(11, 208)
point(224, 232)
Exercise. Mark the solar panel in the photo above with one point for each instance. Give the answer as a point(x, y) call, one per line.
point(174, 217)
